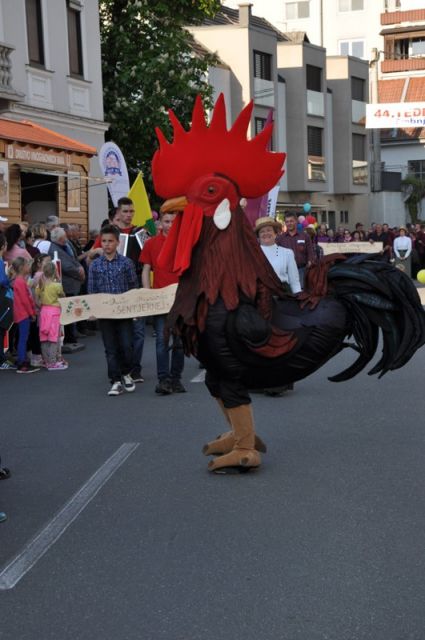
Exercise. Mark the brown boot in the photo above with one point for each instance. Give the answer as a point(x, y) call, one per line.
point(225, 442)
point(243, 453)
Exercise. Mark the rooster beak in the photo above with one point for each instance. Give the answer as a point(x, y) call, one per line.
point(174, 204)
point(222, 215)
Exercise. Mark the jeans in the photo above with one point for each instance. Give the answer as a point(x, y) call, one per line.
point(164, 370)
point(117, 336)
point(24, 329)
point(138, 343)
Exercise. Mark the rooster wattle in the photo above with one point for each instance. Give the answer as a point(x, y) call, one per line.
point(232, 311)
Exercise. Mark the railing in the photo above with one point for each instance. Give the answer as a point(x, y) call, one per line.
point(409, 64)
point(5, 68)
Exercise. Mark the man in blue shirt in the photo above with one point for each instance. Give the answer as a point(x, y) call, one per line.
point(116, 274)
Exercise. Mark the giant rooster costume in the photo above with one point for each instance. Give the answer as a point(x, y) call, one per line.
point(232, 311)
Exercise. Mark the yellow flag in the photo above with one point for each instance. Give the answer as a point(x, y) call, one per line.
point(142, 209)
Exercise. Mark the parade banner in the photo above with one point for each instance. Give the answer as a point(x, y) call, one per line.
point(350, 247)
point(114, 169)
point(133, 304)
point(395, 115)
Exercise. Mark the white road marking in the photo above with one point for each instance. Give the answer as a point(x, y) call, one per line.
point(41, 543)
point(200, 377)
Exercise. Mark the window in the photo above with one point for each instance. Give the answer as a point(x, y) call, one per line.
point(343, 217)
point(350, 5)
point(358, 89)
point(262, 65)
point(351, 48)
point(401, 49)
point(360, 173)
point(418, 47)
point(35, 32)
point(295, 10)
point(314, 78)
point(74, 42)
point(259, 124)
point(314, 141)
point(416, 168)
point(316, 162)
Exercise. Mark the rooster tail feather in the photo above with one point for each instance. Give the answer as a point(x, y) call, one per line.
point(379, 299)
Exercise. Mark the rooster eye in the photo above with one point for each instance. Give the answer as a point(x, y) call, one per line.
point(211, 189)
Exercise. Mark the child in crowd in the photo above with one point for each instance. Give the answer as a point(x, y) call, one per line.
point(23, 311)
point(48, 292)
point(34, 338)
point(115, 274)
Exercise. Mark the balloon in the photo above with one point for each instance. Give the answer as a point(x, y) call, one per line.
point(311, 219)
point(306, 207)
point(304, 224)
point(301, 218)
point(300, 226)
point(421, 276)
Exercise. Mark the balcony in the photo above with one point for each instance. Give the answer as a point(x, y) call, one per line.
point(7, 92)
point(315, 103)
point(358, 112)
point(264, 92)
point(407, 64)
point(316, 168)
point(360, 172)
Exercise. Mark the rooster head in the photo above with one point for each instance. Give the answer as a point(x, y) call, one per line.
point(206, 170)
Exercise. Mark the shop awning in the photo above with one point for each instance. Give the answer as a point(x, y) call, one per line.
point(35, 134)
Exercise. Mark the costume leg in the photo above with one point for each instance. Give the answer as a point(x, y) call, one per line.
point(243, 453)
point(225, 442)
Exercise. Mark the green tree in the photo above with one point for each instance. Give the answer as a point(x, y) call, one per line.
point(149, 65)
point(416, 188)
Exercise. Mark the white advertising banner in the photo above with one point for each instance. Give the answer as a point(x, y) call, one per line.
point(395, 115)
point(114, 168)
point(135, 303)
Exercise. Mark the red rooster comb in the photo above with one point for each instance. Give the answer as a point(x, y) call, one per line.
point(213, 149)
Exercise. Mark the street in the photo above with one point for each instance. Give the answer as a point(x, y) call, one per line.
point(325, 541)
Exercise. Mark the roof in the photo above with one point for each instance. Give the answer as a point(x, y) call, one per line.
point(32, 133)
point(228, 16)
point(298, 37)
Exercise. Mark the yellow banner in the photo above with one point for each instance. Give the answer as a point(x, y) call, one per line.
point(133, 304)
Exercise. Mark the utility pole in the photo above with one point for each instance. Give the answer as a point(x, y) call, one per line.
point(376, 133)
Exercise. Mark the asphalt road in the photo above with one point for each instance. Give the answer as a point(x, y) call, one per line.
point(326, 541)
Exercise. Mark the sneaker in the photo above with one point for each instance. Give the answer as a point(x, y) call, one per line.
point(3, 516)
point(7, 366)
point(178, 387)
point(128, 383)
point(57, 366)
point(116, 390)
point(69, 347)
point(36, 361)
point(137, 376)
point(164, 388)
point(26, 368)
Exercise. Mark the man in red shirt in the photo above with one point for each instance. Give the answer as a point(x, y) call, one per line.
point(169, 374)
point(299, 242)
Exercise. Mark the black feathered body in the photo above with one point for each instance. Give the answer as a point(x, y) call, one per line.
point(368, 297)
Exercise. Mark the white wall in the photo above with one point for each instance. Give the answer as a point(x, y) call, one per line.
point(69, 106)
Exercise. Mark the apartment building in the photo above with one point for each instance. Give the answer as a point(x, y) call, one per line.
point(247, 49)
point(318, 106)
point(389, 34)
point(50, 75)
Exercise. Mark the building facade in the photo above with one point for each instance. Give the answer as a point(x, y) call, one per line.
point(318, 106)
point(50, 74)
